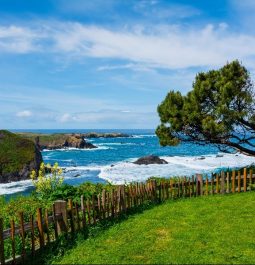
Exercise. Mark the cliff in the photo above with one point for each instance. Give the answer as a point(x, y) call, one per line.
point(18, 157)
point(65, 140)
point(58, 141)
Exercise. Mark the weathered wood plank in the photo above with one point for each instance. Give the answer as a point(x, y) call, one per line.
point(244, 179)
point(40, 227)
point(13, 242)
point(2, 258)
point(22, 235)
point(233, 181)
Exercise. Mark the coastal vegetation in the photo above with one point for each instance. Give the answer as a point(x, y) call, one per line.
point(93, 206)
point(218, 110)
point(18, 157)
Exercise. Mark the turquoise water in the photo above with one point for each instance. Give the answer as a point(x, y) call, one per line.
point(111, 161)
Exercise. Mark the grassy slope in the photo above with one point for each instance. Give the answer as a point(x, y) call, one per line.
point(15, 151)
point(215, 229)
point(45, 139)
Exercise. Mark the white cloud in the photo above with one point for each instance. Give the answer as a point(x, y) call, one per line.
point(111, 117)
point(162, 46)
point(24, 114)
point(65, 117)
point(19, 39)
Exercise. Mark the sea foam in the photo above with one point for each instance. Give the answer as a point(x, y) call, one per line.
point(125, 172)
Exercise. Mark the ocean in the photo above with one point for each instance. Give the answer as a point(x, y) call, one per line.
point(112, 160)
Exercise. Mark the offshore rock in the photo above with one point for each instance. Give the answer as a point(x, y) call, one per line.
point(147, 160)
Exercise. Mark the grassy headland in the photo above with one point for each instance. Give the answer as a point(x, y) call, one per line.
point(18, 156)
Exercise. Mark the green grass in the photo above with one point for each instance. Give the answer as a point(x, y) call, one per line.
point(15, 152)
point(215, 229)
point(45, 139)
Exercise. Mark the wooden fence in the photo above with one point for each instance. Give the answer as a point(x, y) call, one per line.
point(25, 238)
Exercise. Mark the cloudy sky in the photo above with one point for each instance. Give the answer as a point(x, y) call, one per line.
point(109, 63)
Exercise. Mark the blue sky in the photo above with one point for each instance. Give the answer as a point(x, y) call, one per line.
point(109, 63)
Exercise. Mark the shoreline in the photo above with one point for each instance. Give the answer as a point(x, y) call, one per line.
point(125, 171)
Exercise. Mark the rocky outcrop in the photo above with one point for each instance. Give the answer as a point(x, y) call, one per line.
point(147, 160)
point(60, 140)
point(105, 135)
point(63, 141)
point(18, 157)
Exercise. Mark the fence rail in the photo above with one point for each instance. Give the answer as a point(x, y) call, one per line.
point(69, 217)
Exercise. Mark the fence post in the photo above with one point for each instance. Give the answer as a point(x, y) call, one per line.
point(70, 204)
point(104, 203)
point(32, 235)
point(124, 206)
point(13, 241)
point(22, 233)
point(199, 185)
point(89, 211)
point(233, 181)
point(251, 178)
point(206, 186)
point(244, 179)
point(83, 212)
point(78, 221)
point(212, 184)
point(40, 227)
point(2, 259)
point(239, 181)
point(193, 188)
point(217, 183)
point(222, 188)
point(60, 209)
point(46, 219)
point(227, 182)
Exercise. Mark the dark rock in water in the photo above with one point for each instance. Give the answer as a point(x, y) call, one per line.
point(18, 157)
point(147, 160)
point(219, 155)
point(201, 158)
point(77, 175)
point(112, 165)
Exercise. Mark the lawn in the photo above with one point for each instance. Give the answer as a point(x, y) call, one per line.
point(215, 229)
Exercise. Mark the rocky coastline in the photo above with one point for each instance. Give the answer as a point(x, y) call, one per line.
point(20, 153)
point(69, 140)
point(18, 157)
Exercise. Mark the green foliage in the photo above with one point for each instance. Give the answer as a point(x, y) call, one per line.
point(218, 109)
point(15, 152)
point(86, 189)
point(9, 210)
point(48, 179)
point(45, 139)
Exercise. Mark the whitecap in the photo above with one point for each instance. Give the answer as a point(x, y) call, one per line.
point(125, 172)
point(70, 149)
point(139, 136)
point(107, 144)
point(14, 187)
